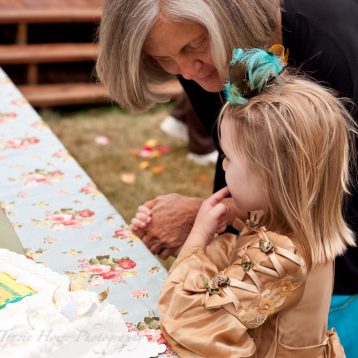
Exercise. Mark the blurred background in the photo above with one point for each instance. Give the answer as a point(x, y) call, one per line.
point(48, 49)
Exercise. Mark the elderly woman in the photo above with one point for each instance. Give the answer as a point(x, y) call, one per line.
point(147, 42)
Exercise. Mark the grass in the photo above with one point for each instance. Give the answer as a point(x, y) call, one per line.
point(106, 164)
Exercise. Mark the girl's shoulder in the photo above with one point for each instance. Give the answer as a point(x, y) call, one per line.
point(262, 243)
point(271, 249)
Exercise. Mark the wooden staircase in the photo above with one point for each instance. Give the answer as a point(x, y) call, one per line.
point(49, 69)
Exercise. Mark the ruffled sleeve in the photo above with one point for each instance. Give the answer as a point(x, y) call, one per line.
point(207, 304)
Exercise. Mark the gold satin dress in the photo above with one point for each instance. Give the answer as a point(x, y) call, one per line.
point(248, 296)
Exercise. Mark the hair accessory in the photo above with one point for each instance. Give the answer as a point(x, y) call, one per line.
point(251, 70)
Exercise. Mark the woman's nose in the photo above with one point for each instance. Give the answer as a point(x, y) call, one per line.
point(189, 68)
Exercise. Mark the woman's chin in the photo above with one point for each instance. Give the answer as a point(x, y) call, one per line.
point(212, 83)
point(211, 87)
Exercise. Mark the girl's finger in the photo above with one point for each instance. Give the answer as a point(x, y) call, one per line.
point(219, 196)
point(144, 210)
point(219, 211)
point(143, 217)
point(137, 224)
point(222, 228)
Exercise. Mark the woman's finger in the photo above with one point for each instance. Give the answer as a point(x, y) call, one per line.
point(155, 249)
point(164, 254)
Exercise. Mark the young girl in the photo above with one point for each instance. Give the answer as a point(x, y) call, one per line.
point(266, 292)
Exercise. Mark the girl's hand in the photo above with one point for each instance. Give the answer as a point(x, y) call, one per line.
point(141, 219)
point(212, 218)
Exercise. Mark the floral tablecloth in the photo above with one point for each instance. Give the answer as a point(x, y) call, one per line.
point(64, 222)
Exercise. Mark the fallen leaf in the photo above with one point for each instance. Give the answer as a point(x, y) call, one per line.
point(101, 140)
point(128, 178)
point(158, 169)
point(134, 152)
point(155, 153)
point(151, 143)
point(144, 164)
point(164, 149)
point(145, 153)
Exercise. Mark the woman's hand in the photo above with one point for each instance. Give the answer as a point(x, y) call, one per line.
point(164, 223)
point(212, 218)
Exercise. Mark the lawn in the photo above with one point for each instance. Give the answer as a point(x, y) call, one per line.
point(118, 168)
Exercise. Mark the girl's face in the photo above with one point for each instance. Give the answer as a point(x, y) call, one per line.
point(183, 49)
point(246, 188)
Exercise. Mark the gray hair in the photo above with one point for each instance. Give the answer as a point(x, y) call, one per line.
point(129, 74)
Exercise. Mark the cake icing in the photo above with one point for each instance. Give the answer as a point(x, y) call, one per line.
point(51, 321)
point(11, 291)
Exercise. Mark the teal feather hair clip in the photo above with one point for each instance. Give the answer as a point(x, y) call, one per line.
point(251, 70)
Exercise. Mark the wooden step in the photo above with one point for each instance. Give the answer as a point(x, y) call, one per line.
point(49, 16)
point(47, 95)
point(50, 11)
point(47, 53)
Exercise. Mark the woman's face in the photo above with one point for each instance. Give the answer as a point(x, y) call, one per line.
point(183, 49)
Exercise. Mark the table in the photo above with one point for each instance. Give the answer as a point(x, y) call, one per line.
point(64, 222)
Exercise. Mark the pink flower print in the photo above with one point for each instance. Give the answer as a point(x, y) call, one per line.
point(84, 264)
point(98, 269)
point(5, 117)
point(123, 233)
point(125, 263)
point(21, 143)
point(62, 153)
point(38, 178)
point(71, 222)
point(111, 274)
point(153, 335)
point(86, 213)
point(61, 218)
point(43, 176)
point(14, 143)
point(33, 140)
point(57, 227)
point(57, 173)
point(96, 280)
point(89, 189)
point(65, 220)
point(94, 237)
point(140, 294)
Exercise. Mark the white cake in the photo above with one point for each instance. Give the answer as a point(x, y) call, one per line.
point(40, 317)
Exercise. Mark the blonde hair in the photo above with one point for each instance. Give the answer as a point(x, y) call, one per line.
point(128, 73)
point(295, 136)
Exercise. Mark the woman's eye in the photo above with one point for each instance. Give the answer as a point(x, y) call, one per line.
point(163, 59)
point(197, 45)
